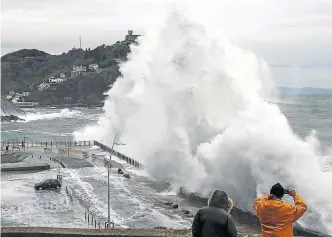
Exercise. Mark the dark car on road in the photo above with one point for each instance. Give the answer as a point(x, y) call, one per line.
point(48, 184)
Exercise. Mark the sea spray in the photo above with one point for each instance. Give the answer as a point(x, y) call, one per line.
point(193, 108)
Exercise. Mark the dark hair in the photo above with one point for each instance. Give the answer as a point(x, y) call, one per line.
point(277, 190)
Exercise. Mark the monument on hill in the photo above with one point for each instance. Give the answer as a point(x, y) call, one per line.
point(130, 37)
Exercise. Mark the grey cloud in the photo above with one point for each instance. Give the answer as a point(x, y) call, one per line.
point(296, 33)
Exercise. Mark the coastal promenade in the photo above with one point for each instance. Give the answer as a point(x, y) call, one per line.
point(64, 148)
point(73, 157)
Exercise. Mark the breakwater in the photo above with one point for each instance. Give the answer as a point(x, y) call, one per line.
point(121, 156)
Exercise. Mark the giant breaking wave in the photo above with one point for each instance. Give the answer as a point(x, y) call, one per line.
point(193, 107)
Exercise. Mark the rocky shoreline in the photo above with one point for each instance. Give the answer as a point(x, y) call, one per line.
point(10, 112)
point(10, 118)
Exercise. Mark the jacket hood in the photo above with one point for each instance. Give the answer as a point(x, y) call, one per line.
point(219, 199)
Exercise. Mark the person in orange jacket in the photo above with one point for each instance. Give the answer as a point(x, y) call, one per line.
point(275, 216)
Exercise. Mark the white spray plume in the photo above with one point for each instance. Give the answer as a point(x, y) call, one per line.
point(192, 107)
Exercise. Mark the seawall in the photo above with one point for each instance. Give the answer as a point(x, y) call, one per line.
point(66, 232)
point(61, 232)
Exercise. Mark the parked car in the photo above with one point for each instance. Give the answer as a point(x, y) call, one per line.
point(120, 171)
point(48, 184)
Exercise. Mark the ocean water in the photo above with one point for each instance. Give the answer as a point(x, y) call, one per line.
point(309, 113)
point(305, 113)
point(43, 124)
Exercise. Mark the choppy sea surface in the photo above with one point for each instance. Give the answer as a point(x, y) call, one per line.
point(305, 113)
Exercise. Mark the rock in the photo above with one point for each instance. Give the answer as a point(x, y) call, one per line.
point(120, 171)
point(185, 212)
point(160, 227)
point(10, 118)
point(127, 176)
point(199, 198)
point(8, 108)
point(175, 206)
point(168, 203)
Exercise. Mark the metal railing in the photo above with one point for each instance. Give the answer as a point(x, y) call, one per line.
point(23, 144)
point(121, 156)
point(89, 218)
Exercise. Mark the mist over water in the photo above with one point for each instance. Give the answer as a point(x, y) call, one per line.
point(193, 107)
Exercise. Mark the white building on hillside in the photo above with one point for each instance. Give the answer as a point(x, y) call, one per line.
point(43, 86)
point(93, 66)
point(77, 70)
point(25, 93)
point(53, 80)
point(80, 68)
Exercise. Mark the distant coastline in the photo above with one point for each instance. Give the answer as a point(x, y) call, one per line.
point(305, 90)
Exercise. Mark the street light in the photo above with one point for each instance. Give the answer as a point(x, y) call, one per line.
point(108, 180)
point(24, 142)
point(68, 146)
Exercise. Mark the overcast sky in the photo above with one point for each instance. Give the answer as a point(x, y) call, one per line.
point(293, 36)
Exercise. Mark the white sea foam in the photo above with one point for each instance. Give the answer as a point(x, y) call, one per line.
point(64, 113)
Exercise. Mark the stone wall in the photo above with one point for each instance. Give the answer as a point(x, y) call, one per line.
point(61, 232)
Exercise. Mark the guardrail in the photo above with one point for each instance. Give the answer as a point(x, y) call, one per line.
point(121, 156)
point(89, 218)
point(22, 144)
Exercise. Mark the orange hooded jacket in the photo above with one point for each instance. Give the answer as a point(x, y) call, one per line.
point(277, 217)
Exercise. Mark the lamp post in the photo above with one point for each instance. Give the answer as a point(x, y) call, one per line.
point(108, 181)
point(68, 146)
point(24, 142)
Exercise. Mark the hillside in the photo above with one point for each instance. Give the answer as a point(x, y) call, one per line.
point(25, 70)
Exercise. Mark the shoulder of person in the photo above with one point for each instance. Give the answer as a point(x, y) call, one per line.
point(286, 206)
point(204, 208)
point(229, 214)
point(224, 212)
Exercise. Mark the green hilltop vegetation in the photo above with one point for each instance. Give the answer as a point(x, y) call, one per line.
point(25, 70)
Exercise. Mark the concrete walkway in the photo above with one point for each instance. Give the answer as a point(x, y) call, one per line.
point(13, 156)
point(71, 162)
point(25, 166)
point(36, 159)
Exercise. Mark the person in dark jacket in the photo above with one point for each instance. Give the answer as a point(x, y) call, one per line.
point(214, 220)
